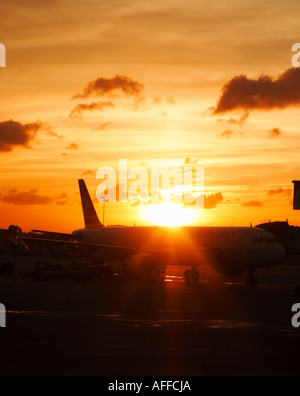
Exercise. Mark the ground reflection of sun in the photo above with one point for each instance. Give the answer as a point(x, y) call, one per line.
point(171, 215)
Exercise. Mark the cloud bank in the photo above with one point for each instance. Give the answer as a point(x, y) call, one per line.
point(14, 134)
point(253, 204)
point(213, 200)
point(79, 109)
point(32, 197)
point(104, 86)
point(265, 93)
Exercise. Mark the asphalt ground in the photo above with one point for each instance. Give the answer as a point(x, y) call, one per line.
point(152, 328)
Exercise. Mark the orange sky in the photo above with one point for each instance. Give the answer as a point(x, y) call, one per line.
point(175, 57)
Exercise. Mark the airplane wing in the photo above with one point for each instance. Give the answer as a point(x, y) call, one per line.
point(90, 257)
point(51, 234)
point(104, 251)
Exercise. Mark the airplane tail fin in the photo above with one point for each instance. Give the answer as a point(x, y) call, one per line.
point(89, 213)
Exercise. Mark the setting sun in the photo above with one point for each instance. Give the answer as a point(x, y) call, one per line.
point(170, 215)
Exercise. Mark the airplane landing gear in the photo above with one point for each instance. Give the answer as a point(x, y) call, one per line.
point(191, 276)
point(251, 281)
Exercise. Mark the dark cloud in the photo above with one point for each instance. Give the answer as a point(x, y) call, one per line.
point(79, 109)
point(283, 191)
point(103, 126)
point(14, 134)
point(274, 133)
point(62, 200)
point(265, 93)
point(72, 146)
point(229, 134)
point(157, 100)
point(236, 121)
point(88, 173)
point(103, 86)
point(253, 204)
point(32, 197)
point(54, 134)
point(226, 134)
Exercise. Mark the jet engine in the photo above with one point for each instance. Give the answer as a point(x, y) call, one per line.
point(220, 262)
point(142, 266)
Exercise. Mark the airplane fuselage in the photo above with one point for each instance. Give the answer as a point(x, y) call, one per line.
point(235, 248)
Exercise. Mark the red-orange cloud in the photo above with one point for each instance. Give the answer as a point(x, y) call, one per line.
point(32, 197)
point(104, 86)
point(284, 191)
point(13, 134)
point(213, 200)
point(253, 204)
point(274, 133)
point(79, 109)
point(265, 93)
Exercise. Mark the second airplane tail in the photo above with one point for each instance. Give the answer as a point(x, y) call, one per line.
point(89, 213)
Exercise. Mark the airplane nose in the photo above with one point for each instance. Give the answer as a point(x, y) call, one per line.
point(281, 254)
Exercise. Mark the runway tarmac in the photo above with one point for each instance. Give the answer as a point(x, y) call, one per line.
point(147, 328)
